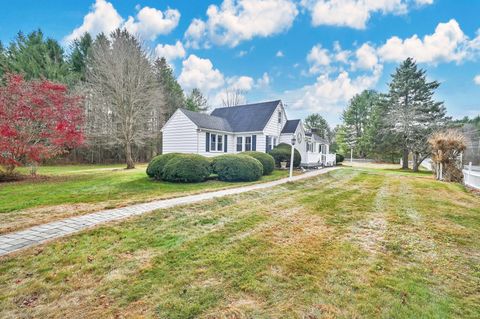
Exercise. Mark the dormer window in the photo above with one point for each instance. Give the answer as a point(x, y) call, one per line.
point(279, 116)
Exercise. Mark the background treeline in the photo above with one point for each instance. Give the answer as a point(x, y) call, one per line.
point(128, 93)
point(397, 124)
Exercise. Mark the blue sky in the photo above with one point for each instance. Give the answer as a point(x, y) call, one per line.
point(313, 54)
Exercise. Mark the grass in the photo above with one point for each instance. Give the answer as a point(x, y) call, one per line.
point(349, 244)
point(78, 189)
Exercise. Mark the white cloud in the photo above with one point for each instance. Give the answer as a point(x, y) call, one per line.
point(151, 22)
point(279, 54)
point(239, 20)
point(194, 34)
point(424, 2)
point(448, 43)
point(331, 94)
point(199, 73)
point(242, 53)
point(148, 24)
point(102, 18)
point(318, 58)
point(477, 79)
point(366, 57)
point(264, 81)
point(350, 13)
point(243, 83)
point(170, 52)
point(341, 55)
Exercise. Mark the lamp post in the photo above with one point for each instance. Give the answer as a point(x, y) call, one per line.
point(291, 156)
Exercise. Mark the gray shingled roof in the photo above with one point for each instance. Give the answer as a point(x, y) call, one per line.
point(203, 120)
point(249, 117)
point(290, 126)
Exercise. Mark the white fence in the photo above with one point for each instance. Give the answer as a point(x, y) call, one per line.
point(471, 176)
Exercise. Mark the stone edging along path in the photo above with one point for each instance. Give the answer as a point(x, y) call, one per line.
point(29, 237)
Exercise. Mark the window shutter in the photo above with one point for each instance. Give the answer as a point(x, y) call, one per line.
point(254, 142)
point(207, 142)
point(225, 139)
point(267, 143)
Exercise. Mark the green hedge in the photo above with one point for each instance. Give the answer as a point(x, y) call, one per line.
point(267, 161)
point(186, 168)
point(155, 167)
point(282, 153)
point(339, 158)
point(237, 168)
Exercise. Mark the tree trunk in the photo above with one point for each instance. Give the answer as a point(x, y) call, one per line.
point(405, 159)
point(128, 156)
point(415, 162)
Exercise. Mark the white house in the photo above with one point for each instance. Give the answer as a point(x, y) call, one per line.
point(250, 127)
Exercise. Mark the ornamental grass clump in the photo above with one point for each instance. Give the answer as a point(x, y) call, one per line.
point(447, 148)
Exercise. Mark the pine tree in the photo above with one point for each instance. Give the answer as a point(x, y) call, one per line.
point(80, 49)
point(315, 122)
point(413, 114)
point(172, 91)
point(356, 119)
point(195, 101)
point(35, 57)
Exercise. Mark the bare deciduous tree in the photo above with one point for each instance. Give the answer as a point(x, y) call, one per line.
point(123, 96)
point(233, 97)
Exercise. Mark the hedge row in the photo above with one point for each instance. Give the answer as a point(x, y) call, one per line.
point(192, 168)
point(282, 153)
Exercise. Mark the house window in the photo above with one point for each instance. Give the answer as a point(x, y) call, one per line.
point(239, 143)
point(309, 147)
point(216, 142)
point(280, 117)
point(320, 148)
point(213, 142)
point(274, 141)
point(248, 143)
point(219, 143)
point(269, 143)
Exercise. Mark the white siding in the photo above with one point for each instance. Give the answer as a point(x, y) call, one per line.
point(202, 141)
point(273, 127)
point(179, 135)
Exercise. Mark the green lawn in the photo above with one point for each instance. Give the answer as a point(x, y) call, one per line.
point(78, 189)
point(349, 244)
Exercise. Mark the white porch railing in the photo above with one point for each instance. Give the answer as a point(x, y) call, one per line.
point(330, 159)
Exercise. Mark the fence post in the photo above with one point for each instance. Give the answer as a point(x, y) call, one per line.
point(469, 173)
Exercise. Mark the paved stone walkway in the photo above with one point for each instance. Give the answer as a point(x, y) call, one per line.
point(39, 234)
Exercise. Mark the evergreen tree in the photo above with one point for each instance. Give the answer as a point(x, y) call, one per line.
point(315, 122)
point(79, 53)
point(379, 141)
point(35, 57)
point(356, 119)
point(195, 101)
point(413, 115)
point(172, 91)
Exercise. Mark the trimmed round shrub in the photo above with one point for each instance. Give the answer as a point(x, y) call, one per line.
point(282, 152)
point(237, 168)
point(186, 168)
point(267, 161)
point(339, 158)
point(155, 167)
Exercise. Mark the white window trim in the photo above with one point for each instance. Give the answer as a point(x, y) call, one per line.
point(241, 143)
point(245, 143)
point(215, 150)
